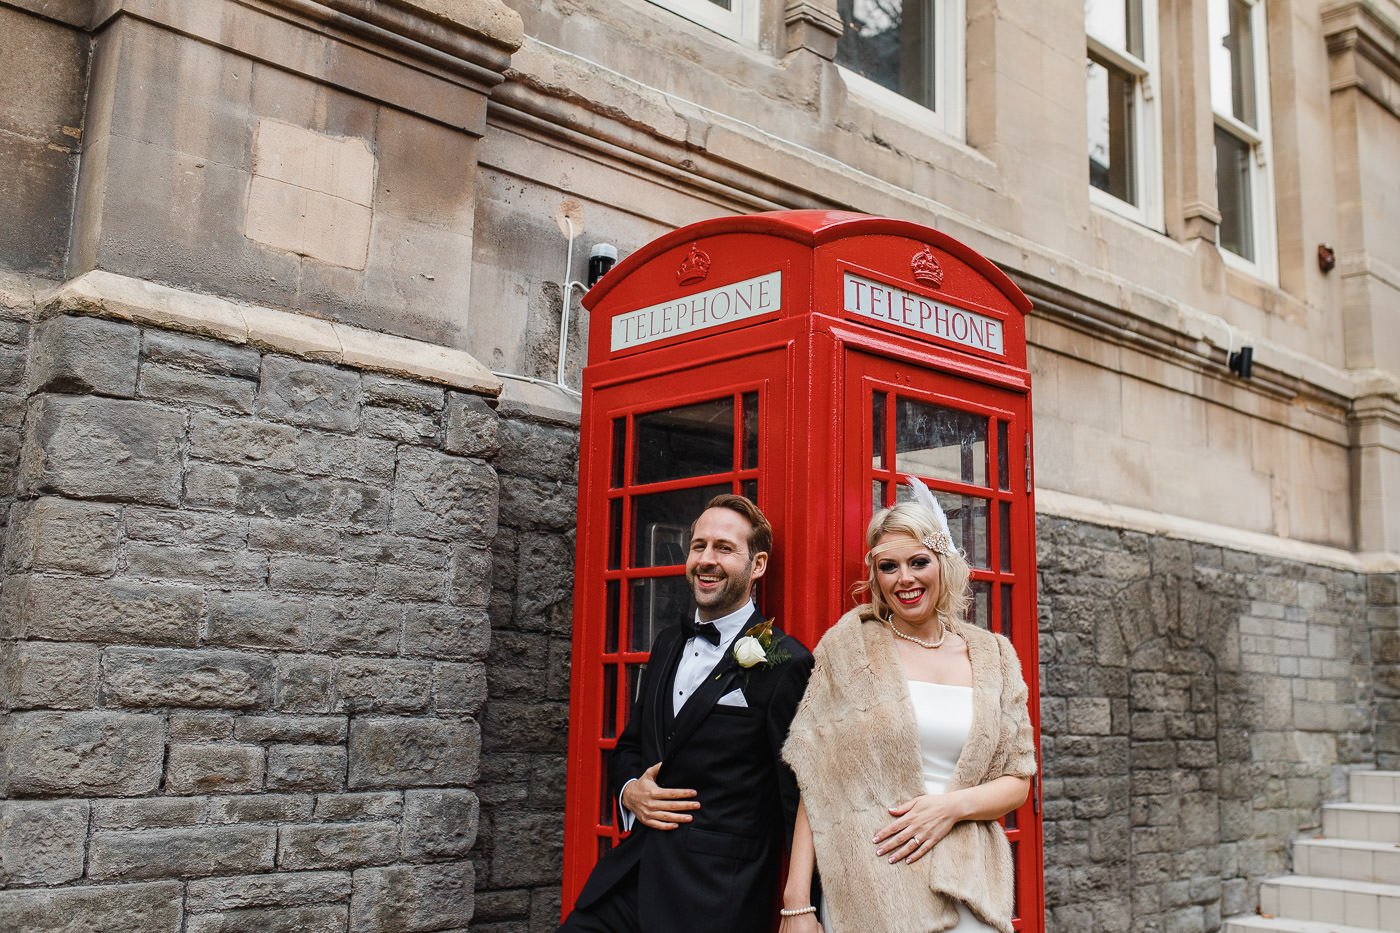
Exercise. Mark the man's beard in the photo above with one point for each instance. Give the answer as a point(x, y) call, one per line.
point(733, 594)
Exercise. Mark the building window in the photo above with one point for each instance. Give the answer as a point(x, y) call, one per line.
point(903, 53)
point(1240, 101)
point(1120, 73)
point(737, 19)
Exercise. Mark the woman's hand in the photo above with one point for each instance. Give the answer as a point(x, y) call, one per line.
point(803, 923)
point(918, 826)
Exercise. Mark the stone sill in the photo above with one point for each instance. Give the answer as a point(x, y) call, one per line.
point(105, 294)
point(1078, 508)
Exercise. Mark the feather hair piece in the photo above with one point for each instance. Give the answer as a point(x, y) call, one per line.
point(941, 543)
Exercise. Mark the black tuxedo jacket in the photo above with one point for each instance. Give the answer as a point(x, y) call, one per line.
point(720, 871)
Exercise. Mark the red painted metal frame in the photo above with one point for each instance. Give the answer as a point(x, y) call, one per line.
point(808, 360)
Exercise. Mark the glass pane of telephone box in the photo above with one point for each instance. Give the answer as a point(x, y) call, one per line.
point(609, 701)
point(980, 612)
point(877, 431)
point(1003, 457)
point(940, 443)
point(692, 440)
point(750, 430)
point(605, 799)
point(656, 602)
point(661, 524)
point(612, 620)
point(967, 522)
point(619, 451)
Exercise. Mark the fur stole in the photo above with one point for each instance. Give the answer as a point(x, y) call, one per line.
point(854, 746)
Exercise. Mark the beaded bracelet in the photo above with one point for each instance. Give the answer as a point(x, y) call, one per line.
point(796, 911)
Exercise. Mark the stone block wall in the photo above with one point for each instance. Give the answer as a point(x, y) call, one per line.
point(1198, 704)
point(243, 636)
point(1384, 616)
point(525, 725)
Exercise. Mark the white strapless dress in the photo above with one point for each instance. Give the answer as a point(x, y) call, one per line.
point(943, 716)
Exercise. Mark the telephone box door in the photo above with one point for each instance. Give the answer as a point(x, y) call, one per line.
point(657, 463)
point(968, 443)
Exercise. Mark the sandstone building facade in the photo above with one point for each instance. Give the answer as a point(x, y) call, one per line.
point(288, 441)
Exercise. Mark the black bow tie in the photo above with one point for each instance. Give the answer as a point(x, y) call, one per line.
point(705, 630)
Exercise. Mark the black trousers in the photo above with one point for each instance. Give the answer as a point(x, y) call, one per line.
point(616, 912)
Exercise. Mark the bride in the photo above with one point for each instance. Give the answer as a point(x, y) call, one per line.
point(912, 740)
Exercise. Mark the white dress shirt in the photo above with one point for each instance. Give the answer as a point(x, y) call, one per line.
point(698, 660)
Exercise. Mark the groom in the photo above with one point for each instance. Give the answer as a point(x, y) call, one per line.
point(696, 771)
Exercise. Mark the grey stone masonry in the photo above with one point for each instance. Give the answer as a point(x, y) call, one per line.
point(1198, 705)
point(244, 634)
point(1383, 611)
point(519, 851)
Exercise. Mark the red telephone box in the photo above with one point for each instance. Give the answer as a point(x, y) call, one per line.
point(807, 359)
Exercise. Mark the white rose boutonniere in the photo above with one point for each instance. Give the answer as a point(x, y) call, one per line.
point(748, 651)
point(758, 646)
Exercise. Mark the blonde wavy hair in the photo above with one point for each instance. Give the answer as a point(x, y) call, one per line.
point(916, 522)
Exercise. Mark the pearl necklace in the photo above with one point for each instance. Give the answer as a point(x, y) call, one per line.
point(889, 623)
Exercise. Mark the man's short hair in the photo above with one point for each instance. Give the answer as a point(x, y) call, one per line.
point(761, 538)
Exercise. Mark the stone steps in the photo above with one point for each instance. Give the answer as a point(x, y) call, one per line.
point(1373, 822)
point(1374, 787)
point(1359, 860)
point(1346, 880)
point(1363, 904)
point(1286, 925)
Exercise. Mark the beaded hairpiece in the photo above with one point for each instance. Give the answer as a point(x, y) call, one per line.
point(941, 541)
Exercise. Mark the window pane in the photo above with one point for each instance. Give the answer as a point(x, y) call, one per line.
point(750, 430)
point(1111, 144)
point(661, 524)
point(1004, 535)
point(877, 429)
point(1115, 22)
point(692, 440)
point(1232, 60)
point(609, 701)
point(614, 534)
point(1232, 171)
point(980, 612)
point(967, 522)
point(619, 446)
point(890, 42)
point(940, 443)
point(656, 602)
point(1003, 456)
point(613, 622)
point(605, 801)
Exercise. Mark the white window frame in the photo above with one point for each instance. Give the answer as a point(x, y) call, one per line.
point(950, 81)
point(1261, 175)
point(740, 23)
point(1147, 122)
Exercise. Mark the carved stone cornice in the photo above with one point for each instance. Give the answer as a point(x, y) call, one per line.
point(1364, 48)
point(467, 39)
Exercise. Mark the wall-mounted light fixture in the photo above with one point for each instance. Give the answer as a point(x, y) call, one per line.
point(600, 259)
point(1326, 258)
point(1241, 362)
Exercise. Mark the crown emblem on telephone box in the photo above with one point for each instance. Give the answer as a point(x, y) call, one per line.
point(694, 267)
point(926, 269)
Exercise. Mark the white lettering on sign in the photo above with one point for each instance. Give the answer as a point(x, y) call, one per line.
point(700, 311)
point(886, 303)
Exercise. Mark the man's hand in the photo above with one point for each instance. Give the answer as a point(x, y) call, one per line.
point(656, 806)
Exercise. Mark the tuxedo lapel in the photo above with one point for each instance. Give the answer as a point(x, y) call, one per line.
point(717, 684)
